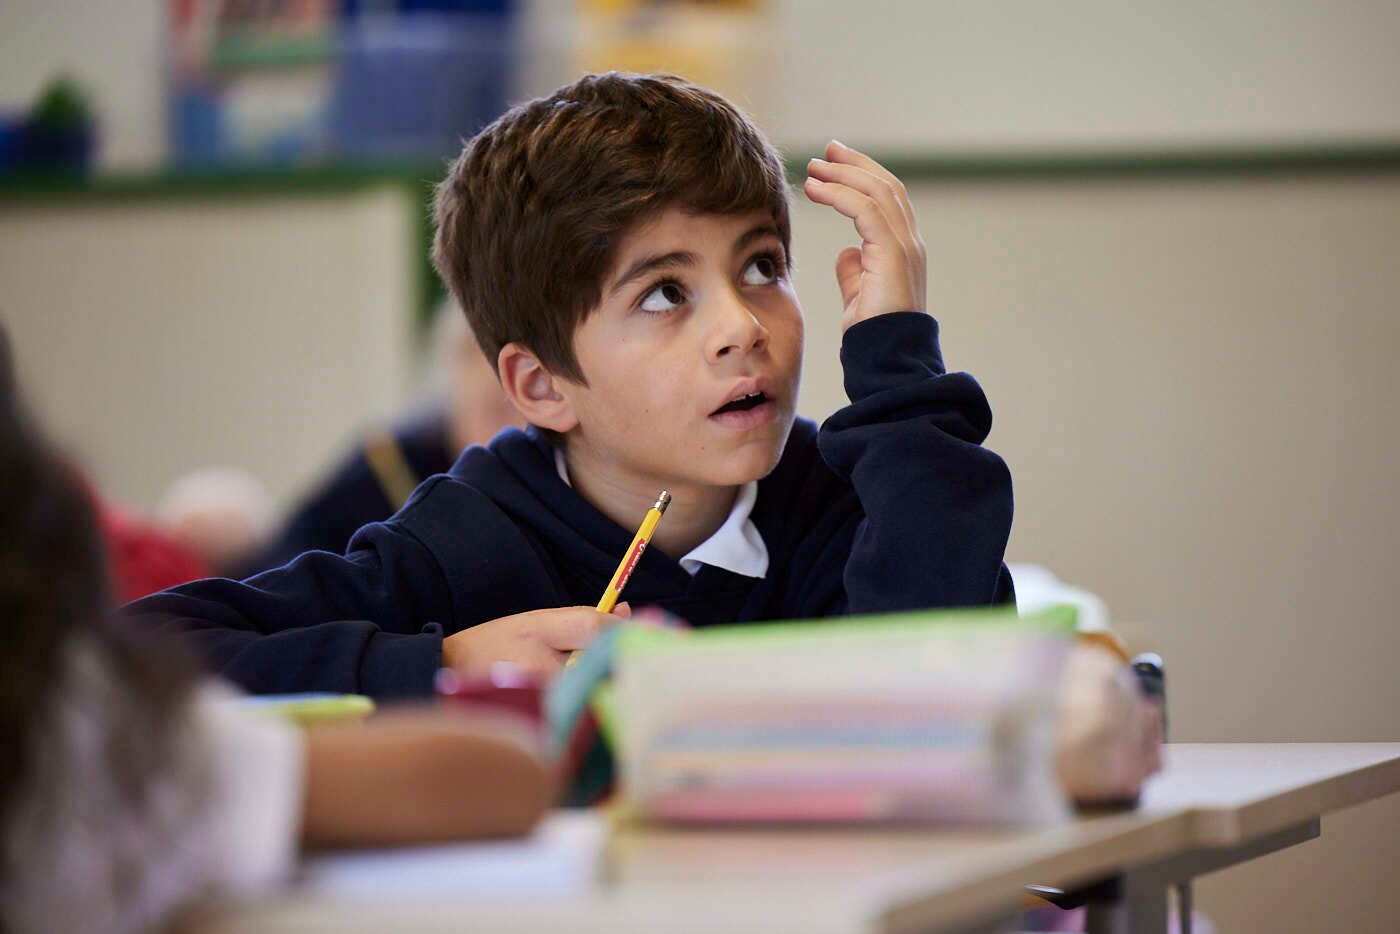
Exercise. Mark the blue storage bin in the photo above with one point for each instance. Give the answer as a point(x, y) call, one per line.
point(413, 85)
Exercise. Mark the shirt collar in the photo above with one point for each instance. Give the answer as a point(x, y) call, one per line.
point(736, 546)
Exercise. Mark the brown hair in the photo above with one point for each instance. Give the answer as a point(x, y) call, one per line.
point(530, 215)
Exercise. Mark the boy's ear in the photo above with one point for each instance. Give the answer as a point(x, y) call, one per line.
point(531, 389)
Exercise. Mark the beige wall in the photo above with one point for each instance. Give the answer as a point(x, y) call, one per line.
point(949, 74)
point(158, 336)
point(1194, 385)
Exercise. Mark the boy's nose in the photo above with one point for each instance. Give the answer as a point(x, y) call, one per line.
point(736, 330)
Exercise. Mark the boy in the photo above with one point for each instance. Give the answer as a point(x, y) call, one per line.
point(621, 252)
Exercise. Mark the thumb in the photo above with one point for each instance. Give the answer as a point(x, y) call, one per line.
point(623, 610)
point(848, 270)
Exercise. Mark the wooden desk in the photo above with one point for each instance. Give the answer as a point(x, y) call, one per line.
point(1215, 805)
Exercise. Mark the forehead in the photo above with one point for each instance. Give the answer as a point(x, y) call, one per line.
point(678, 230)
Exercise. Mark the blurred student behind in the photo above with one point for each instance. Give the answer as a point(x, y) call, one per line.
point(130, 786)
point(375, 478)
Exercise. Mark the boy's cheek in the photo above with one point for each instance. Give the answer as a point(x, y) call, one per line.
point(787, 330)
point(795, 347)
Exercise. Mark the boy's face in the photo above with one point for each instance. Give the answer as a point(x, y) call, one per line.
point(692, 357)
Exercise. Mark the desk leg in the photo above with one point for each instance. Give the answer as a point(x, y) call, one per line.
point(1138, 902)
point(1183, 906)
point(1141, 912)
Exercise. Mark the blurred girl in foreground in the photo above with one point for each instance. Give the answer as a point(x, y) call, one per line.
point(131, 786)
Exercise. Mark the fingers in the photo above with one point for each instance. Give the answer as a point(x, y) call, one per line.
point(861, 173)
point(563, 631)
point(546, 662)
point(888, 271)
point(570, 627)
point(871, 178)
point(839, 152)
point(872, 223)
point(539, 641)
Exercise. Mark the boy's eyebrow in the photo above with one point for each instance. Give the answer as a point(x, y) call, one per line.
point(647, 263)
point(683, 258)
point(756, 233)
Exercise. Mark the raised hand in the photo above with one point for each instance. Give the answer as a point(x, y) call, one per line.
point(888, 271)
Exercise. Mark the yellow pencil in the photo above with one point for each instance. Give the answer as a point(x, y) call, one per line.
point(633, 553)
point(630, 557)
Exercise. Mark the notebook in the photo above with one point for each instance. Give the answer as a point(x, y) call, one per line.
point(562, 857)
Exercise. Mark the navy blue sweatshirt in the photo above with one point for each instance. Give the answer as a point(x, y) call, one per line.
point(892, 505)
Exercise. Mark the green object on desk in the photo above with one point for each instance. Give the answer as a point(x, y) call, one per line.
point(604, 704)
point(1060, 618)
point(314, 709)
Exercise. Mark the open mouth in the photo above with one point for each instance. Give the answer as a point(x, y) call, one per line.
point(742, 404)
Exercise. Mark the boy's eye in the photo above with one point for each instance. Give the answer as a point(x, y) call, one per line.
point(664, 297)
point(761, 270)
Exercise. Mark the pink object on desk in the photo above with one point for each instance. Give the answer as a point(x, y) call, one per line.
point(506, 693)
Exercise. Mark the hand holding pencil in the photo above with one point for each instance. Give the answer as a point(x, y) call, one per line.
point(540, 642)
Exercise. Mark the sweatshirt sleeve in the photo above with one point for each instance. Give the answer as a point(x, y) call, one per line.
point(937, 505)
point(368, 622)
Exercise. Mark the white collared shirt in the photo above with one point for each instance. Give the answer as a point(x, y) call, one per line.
point(735, 546)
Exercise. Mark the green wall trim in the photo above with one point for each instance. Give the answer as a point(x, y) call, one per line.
point(1361, 157)
point(418, 178)
point(1383, 155)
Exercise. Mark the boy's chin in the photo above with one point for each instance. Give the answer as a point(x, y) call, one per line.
point(748, 465)
point(732, 467)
